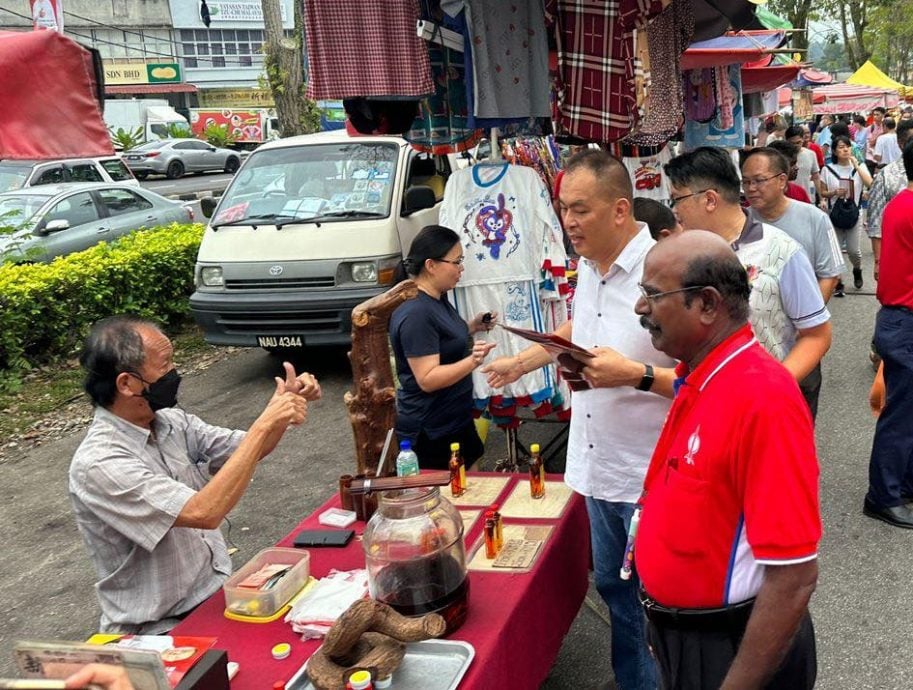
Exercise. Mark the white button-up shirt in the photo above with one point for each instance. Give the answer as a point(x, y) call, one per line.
point(614, 430)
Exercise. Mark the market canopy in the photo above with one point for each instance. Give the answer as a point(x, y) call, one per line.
point(870, 75)
point(732, 48)
point(51, 98)
point(852, 98)
point(713, 18)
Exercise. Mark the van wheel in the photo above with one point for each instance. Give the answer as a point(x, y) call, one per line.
point(140, 175)
point(232, 165)
point(175, 170)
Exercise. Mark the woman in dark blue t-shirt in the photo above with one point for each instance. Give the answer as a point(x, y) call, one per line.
point(434, 358)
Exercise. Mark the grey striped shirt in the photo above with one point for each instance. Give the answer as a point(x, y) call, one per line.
point(127, 487)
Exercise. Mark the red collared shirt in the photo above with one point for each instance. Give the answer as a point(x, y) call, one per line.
point(733, 482)
point(895, 279)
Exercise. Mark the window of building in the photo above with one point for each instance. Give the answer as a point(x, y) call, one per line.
point(222, 48)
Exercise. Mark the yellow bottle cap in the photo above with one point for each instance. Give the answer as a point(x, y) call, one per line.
point(282, 650)
point(360, 677)
point(454, 447)
point(534, 448)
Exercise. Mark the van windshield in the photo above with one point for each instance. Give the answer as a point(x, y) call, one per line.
point(336, 182)
point(13, 176)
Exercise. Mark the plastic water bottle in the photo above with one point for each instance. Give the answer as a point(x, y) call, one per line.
point(406, 461)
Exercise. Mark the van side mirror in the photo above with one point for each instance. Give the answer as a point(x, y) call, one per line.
point(207, 206)
point(418, 198)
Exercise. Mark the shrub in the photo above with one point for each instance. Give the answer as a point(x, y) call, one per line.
point(46, 309)
point(126, 139)
point(179, 130)
point(219, 135)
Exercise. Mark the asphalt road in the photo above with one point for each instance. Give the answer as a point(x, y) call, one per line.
point(189, 184)
point(861, 610)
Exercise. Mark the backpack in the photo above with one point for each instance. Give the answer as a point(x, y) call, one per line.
point(844, 213)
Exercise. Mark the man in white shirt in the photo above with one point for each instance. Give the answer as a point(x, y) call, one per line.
point(617, 421)
point(886, 148)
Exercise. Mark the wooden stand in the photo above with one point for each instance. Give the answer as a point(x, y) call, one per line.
point(372, 407)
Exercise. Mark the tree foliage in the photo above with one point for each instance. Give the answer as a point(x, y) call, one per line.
point(891, 31)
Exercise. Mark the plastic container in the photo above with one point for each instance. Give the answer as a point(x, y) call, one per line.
point(415, 555)
point(266, 602)
point(406, 461)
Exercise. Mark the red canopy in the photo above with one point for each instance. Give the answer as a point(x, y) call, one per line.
point(49, 93)
point(758, 79)
point(741, 47)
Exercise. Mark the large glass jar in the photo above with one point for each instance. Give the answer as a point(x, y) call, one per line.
point(415, 555)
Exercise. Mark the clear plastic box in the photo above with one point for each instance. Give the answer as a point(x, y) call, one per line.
point(258, 602)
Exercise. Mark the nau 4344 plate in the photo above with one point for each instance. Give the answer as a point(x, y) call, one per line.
point(279, 340)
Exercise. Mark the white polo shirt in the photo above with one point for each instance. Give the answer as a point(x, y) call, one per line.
point(614, 430)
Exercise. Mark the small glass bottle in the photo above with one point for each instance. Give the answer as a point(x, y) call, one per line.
point(536, 473)
point(455, 453)
point(491, 545)
point(456, 486)
point(499, 526)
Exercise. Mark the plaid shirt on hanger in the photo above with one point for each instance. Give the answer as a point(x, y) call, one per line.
point(597, 100)
point(361, 49)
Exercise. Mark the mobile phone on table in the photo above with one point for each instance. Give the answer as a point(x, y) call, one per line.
point(323, 537)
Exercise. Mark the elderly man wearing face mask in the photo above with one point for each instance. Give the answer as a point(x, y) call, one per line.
point(150, 484)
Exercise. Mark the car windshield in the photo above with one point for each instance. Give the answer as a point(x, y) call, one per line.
point(332, 182)
point(12, 176)
point(15, 210)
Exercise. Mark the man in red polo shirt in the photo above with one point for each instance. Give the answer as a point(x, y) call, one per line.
point(727, 543)
point(891, 464)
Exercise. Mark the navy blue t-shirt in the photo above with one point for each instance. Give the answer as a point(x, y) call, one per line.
point(420, 327)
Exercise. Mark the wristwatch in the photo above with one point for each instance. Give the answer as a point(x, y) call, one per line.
point(646, 383)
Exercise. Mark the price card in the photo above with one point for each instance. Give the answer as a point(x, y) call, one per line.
point(480, 491)
point(520, 558)
point(550, 507)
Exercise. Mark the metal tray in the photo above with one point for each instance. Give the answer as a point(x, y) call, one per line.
point(429, 665)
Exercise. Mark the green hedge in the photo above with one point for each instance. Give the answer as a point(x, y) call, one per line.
point(46, 309)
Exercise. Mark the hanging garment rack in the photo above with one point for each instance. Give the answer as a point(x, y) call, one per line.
point(436, 33)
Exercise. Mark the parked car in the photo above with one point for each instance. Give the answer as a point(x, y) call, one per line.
point(174, 157)
point(19, 174)
point(54, 220)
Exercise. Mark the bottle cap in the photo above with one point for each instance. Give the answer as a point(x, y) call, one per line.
point(454, 447)
point(534, 448)
point(279, 685)
point(405, 445)
point(360, 679)
point(281, 650)
point(382, 683)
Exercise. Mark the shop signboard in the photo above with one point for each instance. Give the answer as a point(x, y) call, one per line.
point(123, 72)
point(236, 98)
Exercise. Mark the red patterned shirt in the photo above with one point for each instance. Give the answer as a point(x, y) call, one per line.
point(597, 99)
point(358, 48)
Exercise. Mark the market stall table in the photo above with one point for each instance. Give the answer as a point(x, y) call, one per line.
point(516, 621)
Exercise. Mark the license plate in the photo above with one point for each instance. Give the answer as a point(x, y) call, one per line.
point(134, 158)
point(279, 340)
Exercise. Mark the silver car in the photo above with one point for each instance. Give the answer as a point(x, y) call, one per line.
point(174, 157)
point(40, 223)
point(17, 174)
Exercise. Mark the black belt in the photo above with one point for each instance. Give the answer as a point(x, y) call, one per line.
point(733, 617)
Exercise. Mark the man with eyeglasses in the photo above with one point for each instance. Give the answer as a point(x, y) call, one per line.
point(764, 176)
point(150, 484)
point(730, 522)
point(615, 423)
point(788, 312)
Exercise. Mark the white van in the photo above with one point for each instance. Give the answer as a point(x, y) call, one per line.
point(310, 227)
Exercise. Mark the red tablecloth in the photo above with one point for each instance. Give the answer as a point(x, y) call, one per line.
point(516, 622)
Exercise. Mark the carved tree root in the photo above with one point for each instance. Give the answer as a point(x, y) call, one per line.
point(372, 405)
point(368, 614)
point(350, 644)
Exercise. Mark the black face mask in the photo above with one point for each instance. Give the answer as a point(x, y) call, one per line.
point(163, 393)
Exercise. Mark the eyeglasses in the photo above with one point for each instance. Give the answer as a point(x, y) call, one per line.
point(676, 199)
point(653, 296)
point(455, 262)
point(758, 181)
